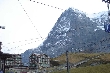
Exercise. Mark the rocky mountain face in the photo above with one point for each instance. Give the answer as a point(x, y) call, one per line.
point(75, 32)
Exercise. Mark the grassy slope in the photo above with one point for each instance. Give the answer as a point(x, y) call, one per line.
point(106, 57)
point(73, 58)
point(103, 68)
point(89, 69)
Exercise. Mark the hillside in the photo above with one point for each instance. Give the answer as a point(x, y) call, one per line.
point(74, 57)
point(89, 69)
point(96, 61)
point(77, 57)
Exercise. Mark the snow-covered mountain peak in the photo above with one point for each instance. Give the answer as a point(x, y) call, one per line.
point(100, 18)
point(78, 11)
point(97, 15)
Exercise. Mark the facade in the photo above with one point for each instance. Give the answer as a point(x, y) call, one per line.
point(14, 61)
point(3, 57)
point(39, 61)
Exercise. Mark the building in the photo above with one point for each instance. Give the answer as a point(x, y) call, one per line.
point(3, 57)
point(39, 61)
point(14, 61)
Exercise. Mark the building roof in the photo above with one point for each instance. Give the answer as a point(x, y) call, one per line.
point(38, 55)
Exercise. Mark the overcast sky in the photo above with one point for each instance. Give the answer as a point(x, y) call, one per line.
point(21, 34)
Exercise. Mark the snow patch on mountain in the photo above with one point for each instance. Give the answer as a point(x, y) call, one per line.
point(62, 19)
point(64, 35)
point(101, 27)
point(64, 27)
point(95, 29)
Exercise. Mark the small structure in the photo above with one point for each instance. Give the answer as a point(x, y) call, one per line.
point(38, 61)
point(14, 61)
point(23, 69)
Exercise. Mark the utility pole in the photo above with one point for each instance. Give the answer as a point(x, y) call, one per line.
point(67, 62)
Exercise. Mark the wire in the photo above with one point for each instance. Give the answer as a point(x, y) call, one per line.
point(26, 41)
point(48, 5)
point(22, 41)
point(30, 19)
point(19, 45)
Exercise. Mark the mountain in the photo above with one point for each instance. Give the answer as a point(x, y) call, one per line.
point(76, 32)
